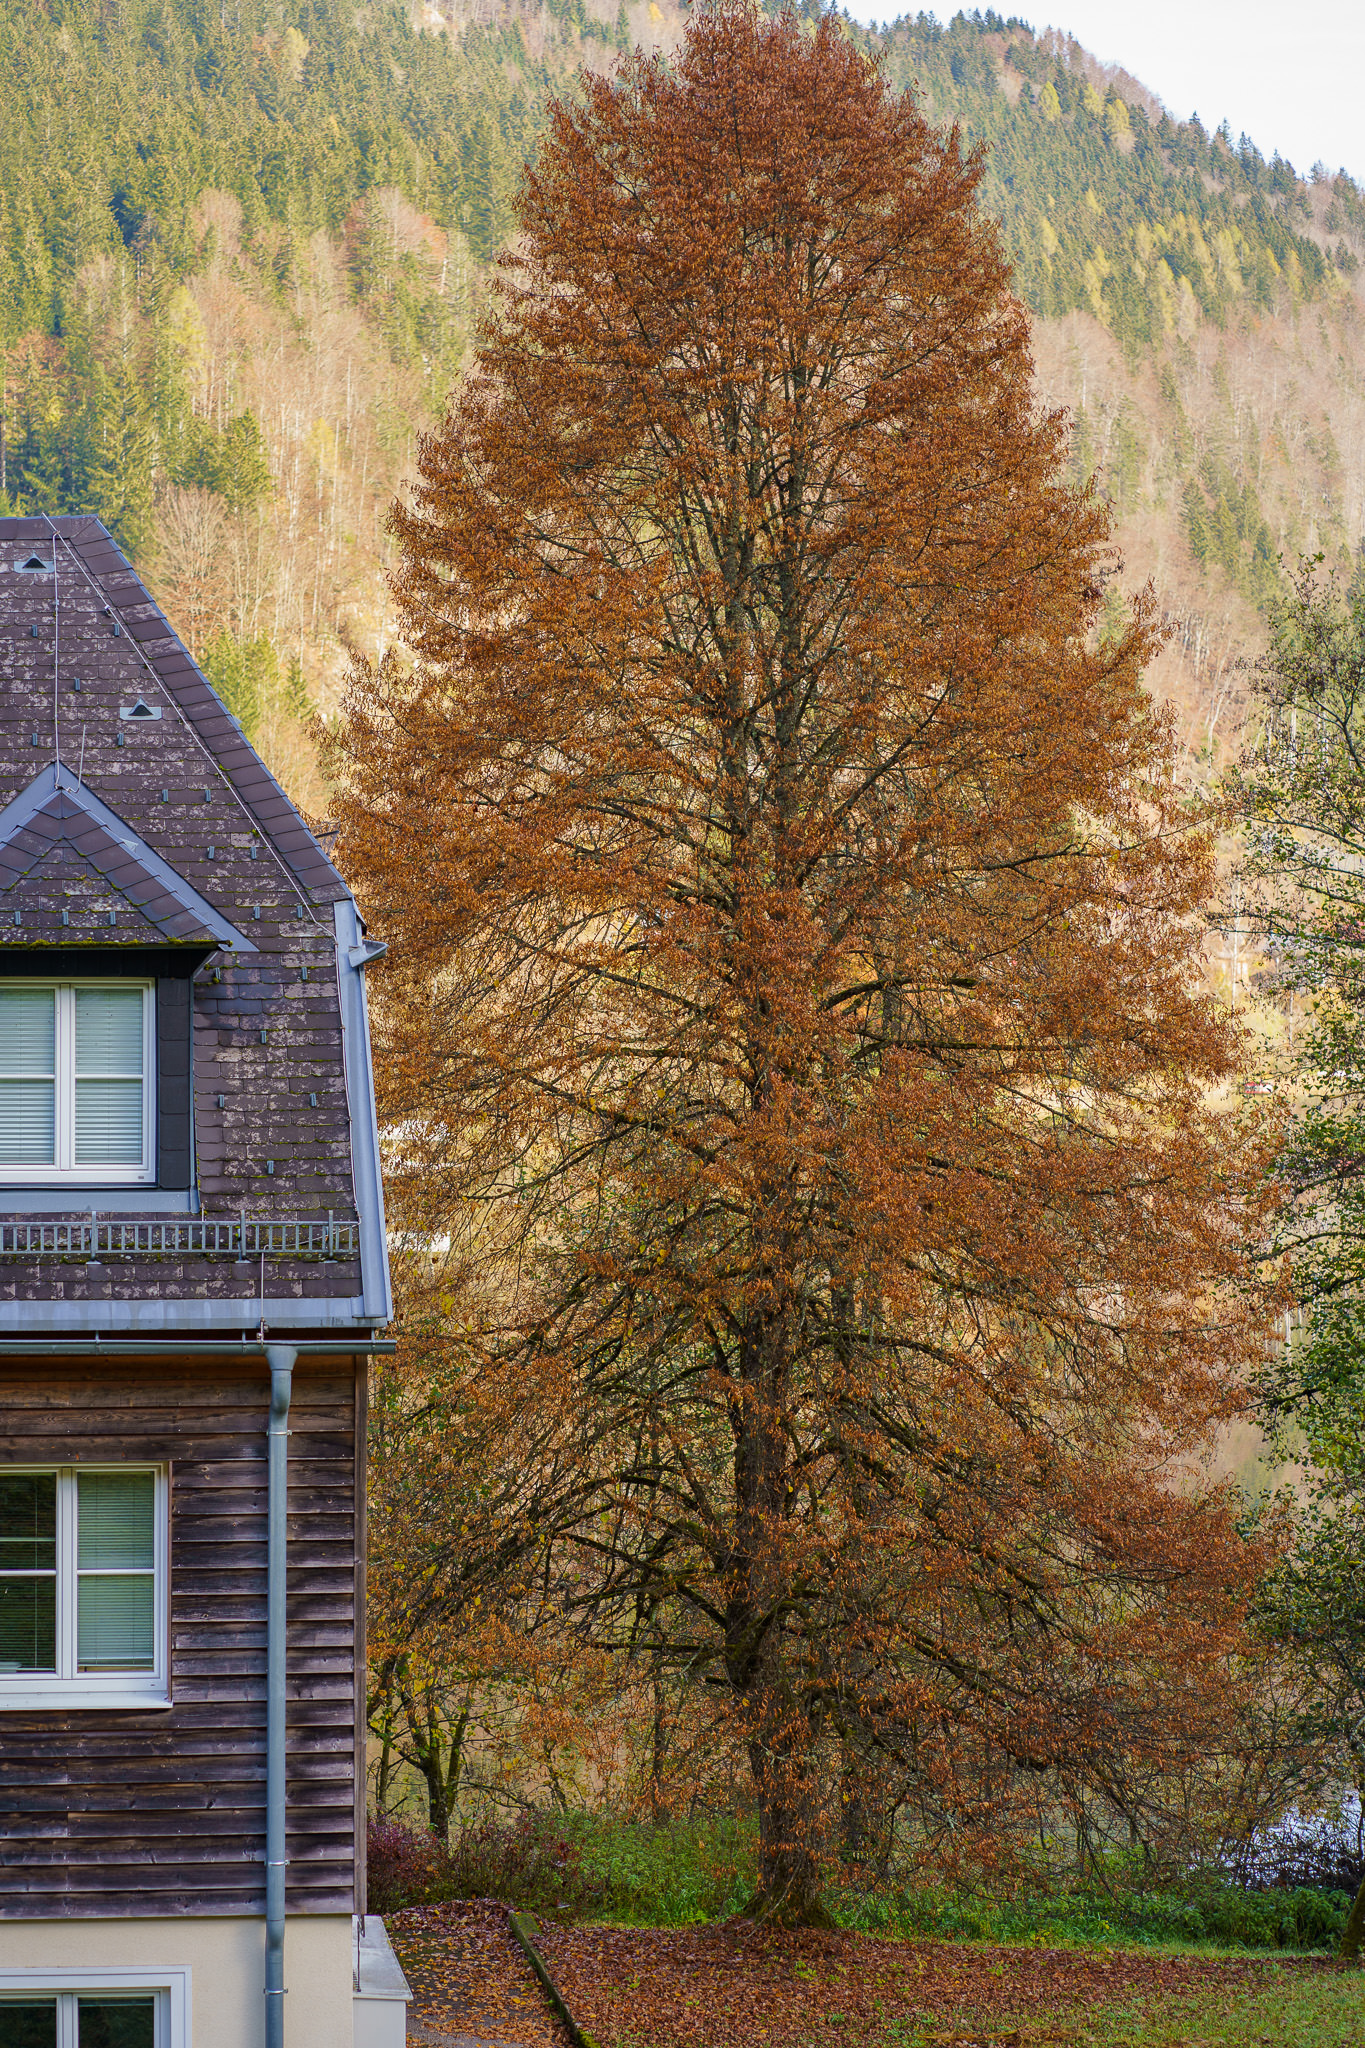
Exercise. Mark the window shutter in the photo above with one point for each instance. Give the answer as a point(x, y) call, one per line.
point(174, 1024)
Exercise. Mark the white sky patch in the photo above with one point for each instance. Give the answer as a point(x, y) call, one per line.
point(1291, 77)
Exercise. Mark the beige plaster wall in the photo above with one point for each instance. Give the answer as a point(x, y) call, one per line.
point(227, 1959)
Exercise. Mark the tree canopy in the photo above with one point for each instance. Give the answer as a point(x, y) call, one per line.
point(1301, 788)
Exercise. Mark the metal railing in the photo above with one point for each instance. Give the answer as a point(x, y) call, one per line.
point(94, 1238)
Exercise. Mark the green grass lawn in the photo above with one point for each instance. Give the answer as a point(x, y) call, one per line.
point(1290, 2011)
point(641, 1919)
point(1313, 2012)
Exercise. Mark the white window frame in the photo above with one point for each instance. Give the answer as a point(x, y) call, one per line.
point(172, 1986)
point(21, 1691)
point(65, 1170)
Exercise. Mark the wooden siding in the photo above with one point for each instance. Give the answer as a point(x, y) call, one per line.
point(163, 1812)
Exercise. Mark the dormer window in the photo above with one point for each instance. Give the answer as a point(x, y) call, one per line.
point(77, 1067)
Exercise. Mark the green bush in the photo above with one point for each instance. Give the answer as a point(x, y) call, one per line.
point(675, 1875)
point(1209, 1909)
point(685, 1873)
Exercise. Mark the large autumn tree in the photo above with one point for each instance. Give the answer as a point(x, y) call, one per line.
point(792, 1026)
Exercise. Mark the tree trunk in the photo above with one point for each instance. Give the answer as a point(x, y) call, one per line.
point(860, 1820)
point(658, 1798)
point(440, 1775)
point(431, 1763)
point(780, 1742)
point(784, 1767)
point(1354, 1931)
point(381, 1790)
point(382, 1726)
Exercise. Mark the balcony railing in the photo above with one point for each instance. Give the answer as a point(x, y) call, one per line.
point(240, 1238)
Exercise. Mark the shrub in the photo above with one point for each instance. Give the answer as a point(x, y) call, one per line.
point(403, 1866)
point(672, 1875)
point(530, 1862)
point(579, 1866)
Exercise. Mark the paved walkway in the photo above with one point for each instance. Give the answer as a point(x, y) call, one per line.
point(420, 2035)
point(471, 1985)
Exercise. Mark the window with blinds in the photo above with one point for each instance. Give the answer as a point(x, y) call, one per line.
point(83, 1557)
point(76, 1081)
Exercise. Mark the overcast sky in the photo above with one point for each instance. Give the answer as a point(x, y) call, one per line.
point(1291, 73)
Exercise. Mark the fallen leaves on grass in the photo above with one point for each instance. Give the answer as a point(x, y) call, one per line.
point(468, 1976)
point(741, 1986)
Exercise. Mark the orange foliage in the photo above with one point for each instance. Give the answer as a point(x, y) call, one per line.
point(791, 1031)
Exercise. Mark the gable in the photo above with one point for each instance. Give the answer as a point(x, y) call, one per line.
point(72, 870)
point(142, 837)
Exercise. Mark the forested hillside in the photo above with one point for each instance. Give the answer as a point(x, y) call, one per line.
point(240, 249)
point(1198, 312)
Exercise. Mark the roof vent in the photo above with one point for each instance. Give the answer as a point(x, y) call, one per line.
point(35, 565)
point(142, 709)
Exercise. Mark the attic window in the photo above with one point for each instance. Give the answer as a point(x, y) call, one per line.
point(77, 1069)
point(35, 565)
point(142, 709)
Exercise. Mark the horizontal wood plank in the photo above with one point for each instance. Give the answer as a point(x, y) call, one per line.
point(131, 1813)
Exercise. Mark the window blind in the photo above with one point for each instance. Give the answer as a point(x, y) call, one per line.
point(28, 1030)
point(108, 1123)
point(115, 1521)
point(115, 1622)
point(28, 1052)
point(28, 1623)
point(109, 1031)
point(28, 1521)
point(109, 1065)
point(115, 1585)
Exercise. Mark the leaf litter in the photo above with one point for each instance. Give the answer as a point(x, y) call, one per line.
point(470, 1981)
point(739, 1986)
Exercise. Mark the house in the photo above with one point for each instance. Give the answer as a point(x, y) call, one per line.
point(192, 1281)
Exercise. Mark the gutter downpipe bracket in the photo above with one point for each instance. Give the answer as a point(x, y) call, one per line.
point(280, 1358)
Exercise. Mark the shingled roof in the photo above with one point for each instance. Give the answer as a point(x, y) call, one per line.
point(141, 835)
point(83, 545)
point(70, 870)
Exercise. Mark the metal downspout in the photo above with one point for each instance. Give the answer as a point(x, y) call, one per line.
point(280, 1358)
